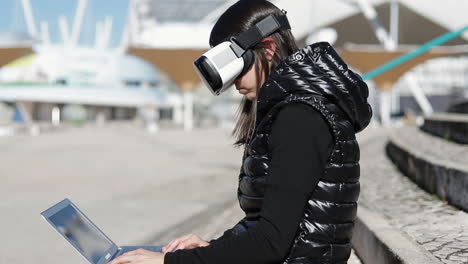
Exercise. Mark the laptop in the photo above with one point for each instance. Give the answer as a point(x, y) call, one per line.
point(84, 235)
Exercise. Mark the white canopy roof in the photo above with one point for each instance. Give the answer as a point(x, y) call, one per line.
point(305, 16)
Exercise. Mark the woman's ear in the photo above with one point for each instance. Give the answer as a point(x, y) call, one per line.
point(269, 47)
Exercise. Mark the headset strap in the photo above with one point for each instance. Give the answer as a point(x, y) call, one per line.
point(262, 29)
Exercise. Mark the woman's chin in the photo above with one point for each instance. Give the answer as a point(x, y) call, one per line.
point(250, 97)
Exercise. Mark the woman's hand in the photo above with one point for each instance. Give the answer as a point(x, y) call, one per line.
point(186, 242)
point(139, 256)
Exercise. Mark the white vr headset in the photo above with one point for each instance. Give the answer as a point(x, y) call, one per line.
point(220, 66)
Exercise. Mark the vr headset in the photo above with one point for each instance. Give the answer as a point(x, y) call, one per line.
point(220, 66)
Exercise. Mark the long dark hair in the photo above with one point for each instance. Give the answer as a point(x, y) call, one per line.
point(238, 18)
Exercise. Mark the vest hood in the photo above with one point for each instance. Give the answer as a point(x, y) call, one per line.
point(318, 70)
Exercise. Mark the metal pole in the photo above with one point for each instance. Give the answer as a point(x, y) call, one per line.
point(395, 100)
point(98, 35)
point(419, 95)
point(178, 113)
point(395, 21)
point(28, 14)
point(152, 119)
point(56, 116)
point(78, 22)
point(394, 33)
point(188, 111)
point(125, 39)
point(369, 12)
point(63, 25)
point(133, 22)
point(385, 107)
point(107, 26)
point(45, 33)
point(26, 114)
point(386, 96)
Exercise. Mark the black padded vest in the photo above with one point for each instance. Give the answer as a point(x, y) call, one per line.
point(315, 76)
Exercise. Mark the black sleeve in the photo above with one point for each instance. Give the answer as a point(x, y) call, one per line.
point(300, 142)
point(226, 234)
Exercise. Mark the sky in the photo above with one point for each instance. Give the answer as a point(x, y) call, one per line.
point(12, 18)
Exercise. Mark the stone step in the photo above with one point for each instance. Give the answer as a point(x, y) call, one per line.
point(398, 222)
point(377, 241)
point(438, 166)
point(451, 126)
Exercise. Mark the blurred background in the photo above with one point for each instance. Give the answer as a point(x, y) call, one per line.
point(99, 103)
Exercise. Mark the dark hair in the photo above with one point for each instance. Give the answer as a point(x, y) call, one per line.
point(238, 18)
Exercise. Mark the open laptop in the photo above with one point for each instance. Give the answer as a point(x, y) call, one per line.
point(84, 235)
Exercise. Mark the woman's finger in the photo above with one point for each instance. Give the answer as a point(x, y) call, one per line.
point(171, 245)
point(188, 243)
point(181, 245)
point(174, 243)
point(192, 242)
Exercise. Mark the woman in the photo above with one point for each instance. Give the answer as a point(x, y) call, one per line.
point(299, 181)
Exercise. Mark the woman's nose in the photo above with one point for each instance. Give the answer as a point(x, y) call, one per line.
point(236, 83)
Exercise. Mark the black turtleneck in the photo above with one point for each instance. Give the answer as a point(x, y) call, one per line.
point(300, 143)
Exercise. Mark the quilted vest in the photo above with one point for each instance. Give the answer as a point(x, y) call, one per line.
point(315, 76)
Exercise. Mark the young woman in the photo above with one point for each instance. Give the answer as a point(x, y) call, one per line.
point(299, 181)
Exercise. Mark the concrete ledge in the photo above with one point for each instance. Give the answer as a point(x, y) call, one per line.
point(436, 165)
point(461, 107)
point(376, 241)
point(450, 126)
point(31, 129)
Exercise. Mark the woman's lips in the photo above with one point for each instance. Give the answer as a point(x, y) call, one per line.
point(241, 90)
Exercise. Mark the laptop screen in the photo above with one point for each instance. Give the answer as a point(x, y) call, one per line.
point(80, 232)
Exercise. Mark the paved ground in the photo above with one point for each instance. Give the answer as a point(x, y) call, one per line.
point(131, 183)
point(134, 185)
point(439, 228)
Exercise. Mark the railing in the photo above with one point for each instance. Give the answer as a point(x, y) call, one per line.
point(412, 54)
